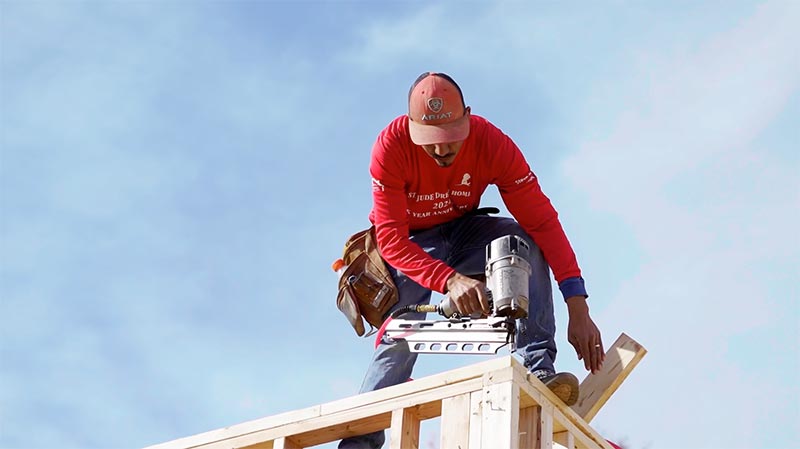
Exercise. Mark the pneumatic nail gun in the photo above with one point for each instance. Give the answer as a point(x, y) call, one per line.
point(507, 274)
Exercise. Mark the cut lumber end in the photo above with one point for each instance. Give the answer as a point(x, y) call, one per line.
point(596, 389)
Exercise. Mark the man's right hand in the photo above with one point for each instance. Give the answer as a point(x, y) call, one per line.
point(468, 295)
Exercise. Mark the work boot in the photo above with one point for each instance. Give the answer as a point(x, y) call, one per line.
point(564, 385)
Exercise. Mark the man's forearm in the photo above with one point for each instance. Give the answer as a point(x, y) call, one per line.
point(577, 306)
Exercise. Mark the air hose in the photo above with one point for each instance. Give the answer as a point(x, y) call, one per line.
point(420, 308)
point(426, 308)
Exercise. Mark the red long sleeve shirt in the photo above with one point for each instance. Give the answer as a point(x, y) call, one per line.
point(410, 192)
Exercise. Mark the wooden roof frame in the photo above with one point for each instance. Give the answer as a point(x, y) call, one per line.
point(493, 404)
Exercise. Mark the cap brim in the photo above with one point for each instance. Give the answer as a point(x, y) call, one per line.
point(455, 131)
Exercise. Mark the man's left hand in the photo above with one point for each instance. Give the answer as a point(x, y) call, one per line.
point(584, 335)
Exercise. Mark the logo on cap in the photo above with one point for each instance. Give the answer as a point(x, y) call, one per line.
point(435, 104)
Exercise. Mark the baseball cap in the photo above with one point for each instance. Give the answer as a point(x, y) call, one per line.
point(436, 110)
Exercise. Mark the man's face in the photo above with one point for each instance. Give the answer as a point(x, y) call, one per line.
point(443, 153)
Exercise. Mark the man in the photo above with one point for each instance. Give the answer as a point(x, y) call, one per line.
point(429, 169)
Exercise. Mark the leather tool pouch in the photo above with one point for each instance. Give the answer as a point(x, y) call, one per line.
point(366, 289)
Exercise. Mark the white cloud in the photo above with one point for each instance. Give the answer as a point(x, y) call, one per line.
point(712, 209)
point(156, 285)
point(682, 110)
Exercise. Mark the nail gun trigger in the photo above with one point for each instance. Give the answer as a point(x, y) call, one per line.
point(508, 324)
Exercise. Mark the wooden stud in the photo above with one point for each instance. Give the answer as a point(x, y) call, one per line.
point(529, 427)
point(536, 427)
point(564, 440)
point(475, 419)
point(404, 432)
point(500, 424)
point(455, 422)
point(285, 443)
point(545, 434)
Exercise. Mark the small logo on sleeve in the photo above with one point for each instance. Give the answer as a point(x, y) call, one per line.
point(529, 177)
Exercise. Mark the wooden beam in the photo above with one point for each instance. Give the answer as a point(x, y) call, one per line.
point(265, 425)
point(475, 419)
point(420, 385)
point(500, 424)
point(360, 419)
point(536, 427)
point(483, 406)
point(564, 417)
point(544, 438)
point(239, 429)
point(285, 443)
point(588, 439)
point(597, 388)
point(570, 441)
point(529, 426)
point(404, 432)
point(455, 421)
point(564, 440)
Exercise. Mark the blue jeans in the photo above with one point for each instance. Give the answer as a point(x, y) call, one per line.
point(461, 244)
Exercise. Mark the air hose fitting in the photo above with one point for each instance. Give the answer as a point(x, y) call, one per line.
point(419, 308)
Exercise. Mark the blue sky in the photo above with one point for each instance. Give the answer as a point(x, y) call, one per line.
point(176, 178)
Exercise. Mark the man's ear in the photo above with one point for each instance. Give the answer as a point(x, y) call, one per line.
point(467, 110)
